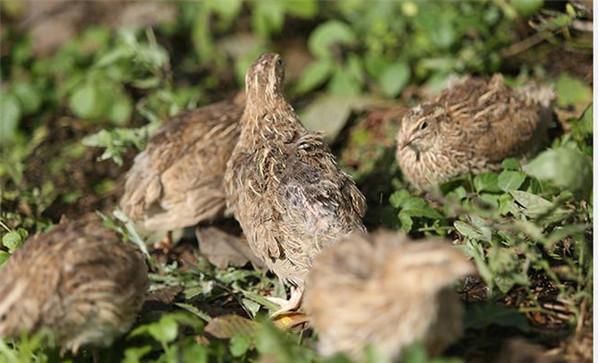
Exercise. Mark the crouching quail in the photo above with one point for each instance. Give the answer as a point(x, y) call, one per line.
point(385, 291)
point(78, 280)
point(471, 127)
point(177, 181)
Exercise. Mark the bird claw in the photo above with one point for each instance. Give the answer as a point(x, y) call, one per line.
point(287, 305)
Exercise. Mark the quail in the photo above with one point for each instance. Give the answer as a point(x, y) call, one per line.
point(78, 280)
point(177, 181)
point(385, 291)
point(283, 184)
point(472, 126)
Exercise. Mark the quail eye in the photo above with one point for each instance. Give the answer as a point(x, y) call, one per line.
point(424, 125)
point(279, 62)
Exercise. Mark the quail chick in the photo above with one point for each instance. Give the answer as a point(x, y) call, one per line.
point(385, 291)
point(283, 184)
point(77, 280)
point(471, 127)
point(177, 181)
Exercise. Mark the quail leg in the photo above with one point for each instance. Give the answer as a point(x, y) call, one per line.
point(166, 243)
point(291, 304)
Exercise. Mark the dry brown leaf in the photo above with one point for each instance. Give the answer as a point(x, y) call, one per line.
point(226, 326)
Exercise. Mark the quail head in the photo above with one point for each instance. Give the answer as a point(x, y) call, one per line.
point(78, 280)
point(283, 184)
point(385, 291)
point(177, 181)
point(471, 127)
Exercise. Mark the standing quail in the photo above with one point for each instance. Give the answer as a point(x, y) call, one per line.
point(471, 127)
point(385, 291)
point(283, 184)
point(177, 181)
point(78, 280)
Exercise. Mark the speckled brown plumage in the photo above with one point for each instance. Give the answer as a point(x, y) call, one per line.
point(283, 184)
point(386, 291)
point(78, 280)
point(177, 181)
point(471, 127)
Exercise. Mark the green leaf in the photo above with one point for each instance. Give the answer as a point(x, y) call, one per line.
point(417, 207)
point(486, 182)
point(228, 9)
point(511, 164)
point(565, 167)
point(527, 7)
point(305, 9)
point(477, 232)
point(394, 78)
point(121, 109)
point(83, 101)
point(3, 257)
point(326, 35)
point(572, 91)
point(239, 344)
point(29, 97)
point(535, 206)
point(343, 84)
point(398, 198)
point(313, 75)
point(328, 113)
point(135, 354)
point(406, 221)
point(12, 240)
point(10, 113)
point(268, 17)
point(509, 180)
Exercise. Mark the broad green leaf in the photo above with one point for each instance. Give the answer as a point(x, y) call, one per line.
point(527, 7)
point(84, 101)
point(29, 97)
point(326, 35)
point(10, 113)
point(120, 111)
point(239, 344)
point(476, 233)
point(417, 207)
point(511, 164)
point(3, 257)
point(536, 206)
point(268, 17)
point(306, 9)
point(313, 75)
point(486, 182)
point(165, 330)
point(394, 78)
point(398, 198)
point(135, 354)
point(509, 180)
point(565, 167)
point(329, 113)
point(572, 91)
point(228, 9)
point(12, 240)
